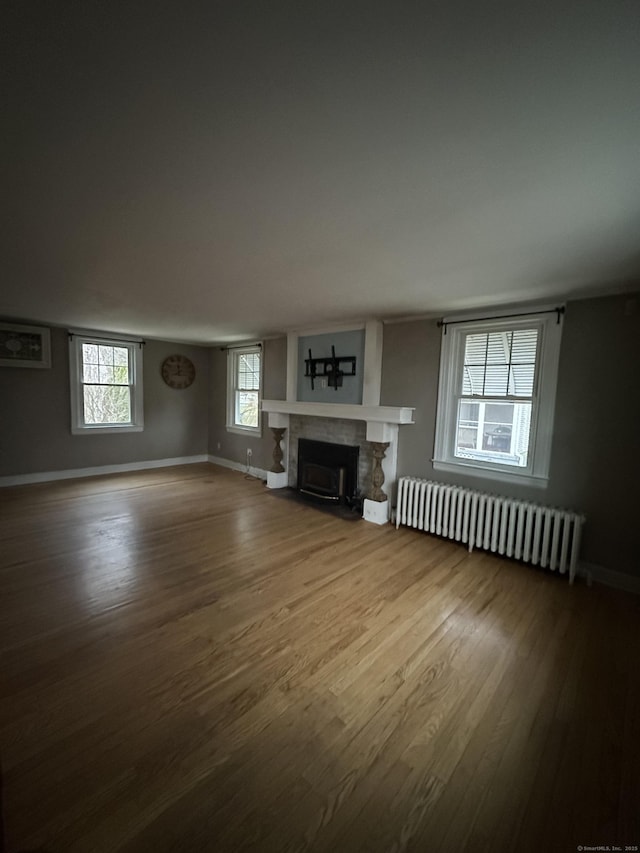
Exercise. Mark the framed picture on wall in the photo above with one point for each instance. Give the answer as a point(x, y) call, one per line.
point(24, 346)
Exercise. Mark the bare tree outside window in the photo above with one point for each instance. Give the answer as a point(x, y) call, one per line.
point(248, 408)
point(106, 376)
point(106, 384)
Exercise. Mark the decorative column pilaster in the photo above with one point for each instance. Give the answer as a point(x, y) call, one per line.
point(277, 476)
point(376, 504)
point(377, 475)
point(278, 433)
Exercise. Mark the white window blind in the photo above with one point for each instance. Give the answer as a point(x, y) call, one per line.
point(249, 371)
point(500, 364)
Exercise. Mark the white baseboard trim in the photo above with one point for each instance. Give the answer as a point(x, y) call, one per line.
point(74, 473)
point(258, 473)
point(617, 580)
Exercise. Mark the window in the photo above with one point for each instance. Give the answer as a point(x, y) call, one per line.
point(496, 397)
point(106, 384)
point(244, 389)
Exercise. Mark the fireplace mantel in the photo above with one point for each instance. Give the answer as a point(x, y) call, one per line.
point(370, 414)
point(383, 422)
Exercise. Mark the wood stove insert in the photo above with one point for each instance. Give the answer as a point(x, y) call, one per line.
point(328, 472)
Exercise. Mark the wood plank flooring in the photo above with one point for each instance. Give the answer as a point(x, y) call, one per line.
point(190, 663)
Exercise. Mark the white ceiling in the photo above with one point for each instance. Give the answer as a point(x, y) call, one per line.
point(215, 171)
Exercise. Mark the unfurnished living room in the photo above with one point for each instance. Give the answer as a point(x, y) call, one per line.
point(319, 433)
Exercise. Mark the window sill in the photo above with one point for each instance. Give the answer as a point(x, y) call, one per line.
point(489, 473)
point(101, 430)
point(239, 430)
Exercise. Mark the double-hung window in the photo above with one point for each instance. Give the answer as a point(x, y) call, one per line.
point(244, 389)
point(106, 384)
point(496, 397)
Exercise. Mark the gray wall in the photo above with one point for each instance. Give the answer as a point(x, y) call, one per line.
point(35, 419)
point(595, 462)
point(229, 445)
point(595, 465)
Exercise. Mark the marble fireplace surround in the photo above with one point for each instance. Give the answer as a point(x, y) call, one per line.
point(338, 422)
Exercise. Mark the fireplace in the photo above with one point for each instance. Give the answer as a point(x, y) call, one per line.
point(328, 472)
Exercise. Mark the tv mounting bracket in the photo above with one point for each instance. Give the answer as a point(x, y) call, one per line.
point(330, 367)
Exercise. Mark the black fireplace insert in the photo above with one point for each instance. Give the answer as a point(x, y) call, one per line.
point(328, 472)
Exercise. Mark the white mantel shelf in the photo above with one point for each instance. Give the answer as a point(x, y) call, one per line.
point(348, 411)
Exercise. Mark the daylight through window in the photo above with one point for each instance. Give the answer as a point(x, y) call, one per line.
point(496, 397)
point(244, 389)
point(106, 377)
point(106, 384)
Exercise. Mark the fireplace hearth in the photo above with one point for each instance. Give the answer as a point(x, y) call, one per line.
point(328, 472)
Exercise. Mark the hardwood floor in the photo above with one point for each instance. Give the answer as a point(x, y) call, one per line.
point(190, 663)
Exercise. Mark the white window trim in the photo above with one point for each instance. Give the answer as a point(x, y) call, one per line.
point(232, 355)
point(541, 429)
point(76, 340)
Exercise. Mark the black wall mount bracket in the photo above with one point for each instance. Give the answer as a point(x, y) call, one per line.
point(329, 367)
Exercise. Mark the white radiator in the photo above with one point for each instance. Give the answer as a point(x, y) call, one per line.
point(536, 534)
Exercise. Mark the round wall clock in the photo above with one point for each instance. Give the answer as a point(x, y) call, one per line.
point(178, 371)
